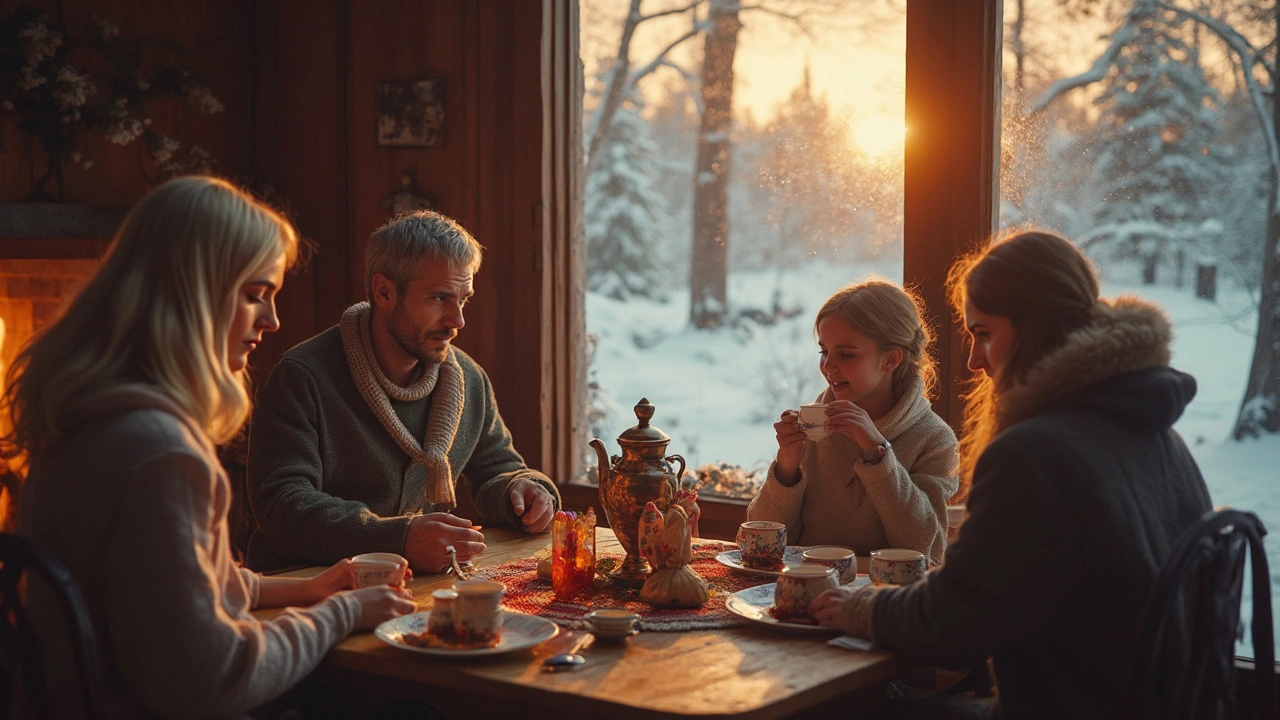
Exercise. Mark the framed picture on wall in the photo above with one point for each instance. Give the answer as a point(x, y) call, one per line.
point(411, 113)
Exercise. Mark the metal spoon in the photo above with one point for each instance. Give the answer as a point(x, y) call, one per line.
point(454, 566)
point(569, 660)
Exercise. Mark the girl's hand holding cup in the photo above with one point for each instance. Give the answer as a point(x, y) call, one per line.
point(854, 423)
point(790, 447)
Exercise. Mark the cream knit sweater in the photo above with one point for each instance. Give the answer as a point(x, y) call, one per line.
point(898, 502)
point(133, 501)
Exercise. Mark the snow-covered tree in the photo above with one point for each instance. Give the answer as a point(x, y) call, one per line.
point(625, 216)
point(1156, 164)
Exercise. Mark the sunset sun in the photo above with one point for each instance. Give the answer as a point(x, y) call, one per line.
point(879, 135)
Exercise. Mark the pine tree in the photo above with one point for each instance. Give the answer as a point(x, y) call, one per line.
point(625, 215)
point(1156, 165)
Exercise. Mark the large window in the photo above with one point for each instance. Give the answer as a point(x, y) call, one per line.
point(742, 166)
point(1132, 130)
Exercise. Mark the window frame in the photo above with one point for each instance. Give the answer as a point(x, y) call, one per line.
point(951, 176)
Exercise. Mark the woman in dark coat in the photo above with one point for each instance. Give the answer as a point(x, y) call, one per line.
point(1080, 488)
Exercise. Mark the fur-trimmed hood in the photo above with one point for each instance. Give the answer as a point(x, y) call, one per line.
point(1125, 335)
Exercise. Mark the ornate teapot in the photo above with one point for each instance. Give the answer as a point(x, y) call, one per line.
point(642, 475)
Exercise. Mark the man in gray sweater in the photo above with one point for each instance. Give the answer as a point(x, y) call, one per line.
point(360, 433)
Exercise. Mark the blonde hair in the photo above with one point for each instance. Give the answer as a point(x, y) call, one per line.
point(891, 317)
point(1047, 289)
point(398, 248)
point(157, 311)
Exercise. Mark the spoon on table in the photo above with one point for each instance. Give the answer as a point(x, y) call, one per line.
point(569, 660)
point(455, 567)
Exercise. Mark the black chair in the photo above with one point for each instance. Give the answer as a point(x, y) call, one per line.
point(1197, 596)
point(21, 648)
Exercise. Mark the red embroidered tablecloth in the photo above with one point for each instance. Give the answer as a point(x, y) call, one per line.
point(528, 593)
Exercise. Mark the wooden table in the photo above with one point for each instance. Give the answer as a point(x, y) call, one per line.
point(747, 672)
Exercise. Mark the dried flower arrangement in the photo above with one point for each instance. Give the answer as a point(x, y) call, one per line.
point(63, 87)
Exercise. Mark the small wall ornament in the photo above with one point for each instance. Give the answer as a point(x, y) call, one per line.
point(408, 198)
point(411, 114)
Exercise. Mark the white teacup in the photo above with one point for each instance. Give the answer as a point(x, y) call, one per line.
point(813, 420)
point(477, 613)
point(440, 621)
point(842, 560)
point(797, 586)
point(379, 568)
point(897, 566)
point(956, 515)
point(763, 544)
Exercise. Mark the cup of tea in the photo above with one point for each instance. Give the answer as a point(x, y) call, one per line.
point(763, 544)
point(379, 568)
point(956, 515)
point(440, 621)
point(797, 586)
point(840, 559)
point(477, 613)
point(897, 566)
point(813, 420)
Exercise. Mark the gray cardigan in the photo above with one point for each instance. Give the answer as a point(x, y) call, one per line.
point(326, 480)
point(133, 501)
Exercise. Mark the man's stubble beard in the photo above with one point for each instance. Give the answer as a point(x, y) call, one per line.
point(412, 343)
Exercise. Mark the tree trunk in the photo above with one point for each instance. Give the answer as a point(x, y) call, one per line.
point(709, 267)
point(615, 87)
point(1260, 409)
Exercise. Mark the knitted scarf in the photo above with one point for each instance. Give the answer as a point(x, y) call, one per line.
point(444, 379)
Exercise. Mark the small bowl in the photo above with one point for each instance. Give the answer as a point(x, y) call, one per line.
point(612, 623)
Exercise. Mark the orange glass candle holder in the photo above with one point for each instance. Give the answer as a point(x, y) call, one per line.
point(573, 553)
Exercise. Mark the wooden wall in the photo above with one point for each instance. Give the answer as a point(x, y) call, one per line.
point(299, 82)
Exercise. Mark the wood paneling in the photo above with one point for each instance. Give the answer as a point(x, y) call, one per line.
point(300, 149)
point(217, 35)
point(299, 81)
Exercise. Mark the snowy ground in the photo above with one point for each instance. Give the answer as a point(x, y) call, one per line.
point(717, 393)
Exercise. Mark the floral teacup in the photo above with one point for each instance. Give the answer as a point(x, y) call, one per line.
point(896, 566)
point(838, 558)
point(797, 586)
point(379, 568)
point(477, 613)
point(763, 544)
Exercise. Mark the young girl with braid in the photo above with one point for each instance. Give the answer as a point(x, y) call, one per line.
point(883, 475)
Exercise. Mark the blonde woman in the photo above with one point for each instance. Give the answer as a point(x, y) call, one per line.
point(883, 476)
point(118, 406)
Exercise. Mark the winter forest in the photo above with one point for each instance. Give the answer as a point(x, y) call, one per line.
point(745, 160)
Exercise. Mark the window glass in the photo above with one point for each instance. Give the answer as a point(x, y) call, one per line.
point(1131, 130)
point(718, 221)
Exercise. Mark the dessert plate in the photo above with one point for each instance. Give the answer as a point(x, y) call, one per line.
point(519, 631)
point(754, 603)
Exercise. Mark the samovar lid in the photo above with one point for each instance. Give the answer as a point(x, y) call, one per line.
point(644, 432)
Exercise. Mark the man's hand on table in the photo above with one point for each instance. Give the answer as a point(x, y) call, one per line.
point(532, 504)
point(430, 534)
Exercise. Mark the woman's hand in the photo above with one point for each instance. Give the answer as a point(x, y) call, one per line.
point(790, 447)
point(341, 576)
point(379, 603)
point(854, 423)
